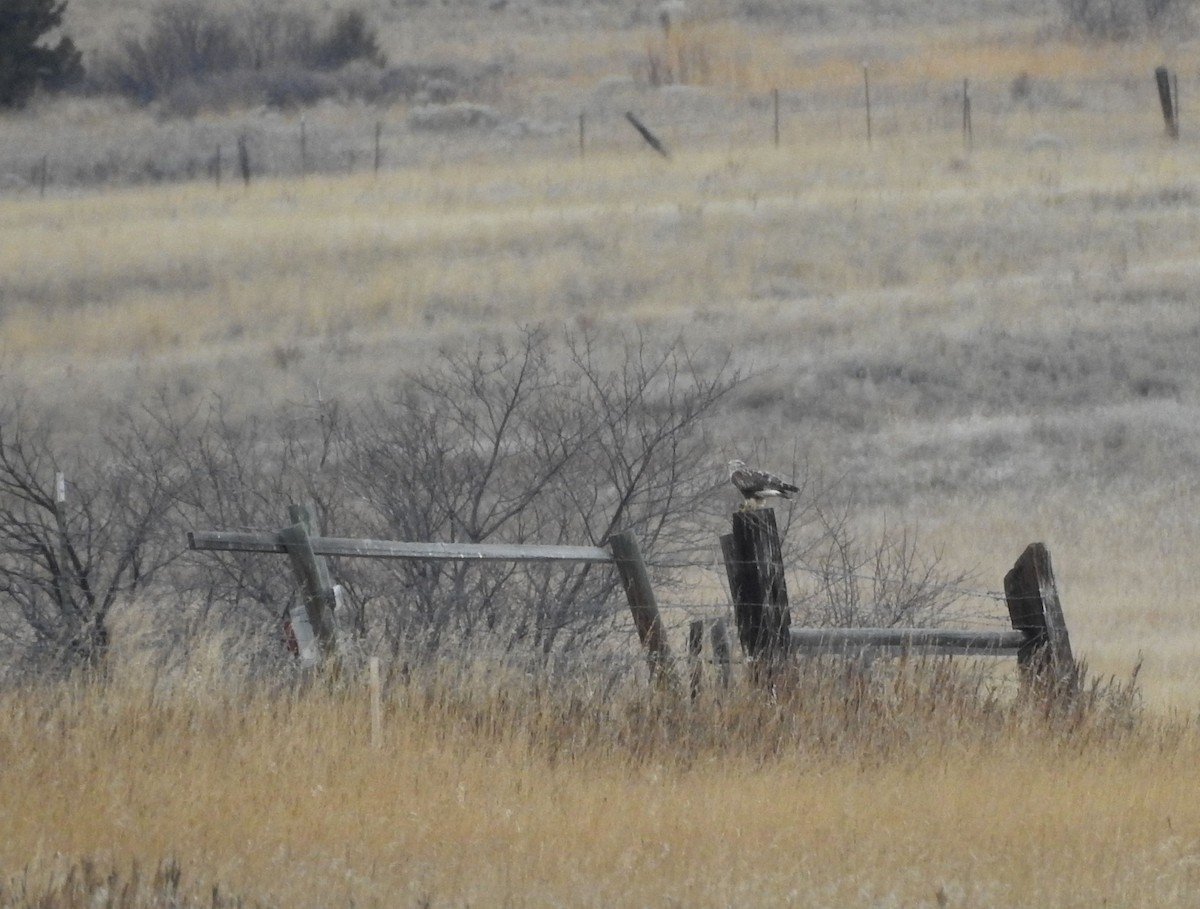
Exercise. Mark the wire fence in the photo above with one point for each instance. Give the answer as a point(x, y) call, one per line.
point(965, 112)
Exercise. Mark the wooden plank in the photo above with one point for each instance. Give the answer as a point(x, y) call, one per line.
point(231, 541)
point(944, 641)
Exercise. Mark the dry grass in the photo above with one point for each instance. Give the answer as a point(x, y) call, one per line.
point(495, 792)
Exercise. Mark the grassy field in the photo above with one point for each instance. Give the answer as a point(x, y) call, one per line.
point(494, 791)
point(994, 345)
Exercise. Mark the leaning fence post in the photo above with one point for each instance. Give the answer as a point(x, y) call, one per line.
point(1034, 608)
point(652, 140)
point(313, 577)
point(1163, 78)
point(636, 580)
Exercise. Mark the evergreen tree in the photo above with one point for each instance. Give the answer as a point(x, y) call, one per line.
point(24, 62)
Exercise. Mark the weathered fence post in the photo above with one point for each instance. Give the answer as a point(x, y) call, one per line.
point(754, 565)
point(719, 638)
point(968, 132)
point(775, 105)
point(627, 556)
point(243, 150)
point(1163, 78)
point(867, 98)
point(1035, 610)
point(695, 649)
point(651, 139)
point(313, 576)
point(62, 578)
point(375, 687)
point(303, 148)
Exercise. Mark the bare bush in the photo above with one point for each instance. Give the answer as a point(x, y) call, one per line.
point(534, 442)
point(65, 564)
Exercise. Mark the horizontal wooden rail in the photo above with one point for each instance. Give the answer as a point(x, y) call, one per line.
point(984, 643)
point(230, 541)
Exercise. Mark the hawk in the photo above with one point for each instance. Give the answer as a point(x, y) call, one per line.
point(757, 485)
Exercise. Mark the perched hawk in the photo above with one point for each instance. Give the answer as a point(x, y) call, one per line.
point(756, 485)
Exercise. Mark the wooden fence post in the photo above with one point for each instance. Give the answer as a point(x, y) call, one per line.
point(376, 694)
point(313, 576)
point(243, 150)
point(1035, 610)
point(754, 565)
point(695, 649)
point(636, 580)
point(867, 99)
point(303, 147)
point(775, 105)
point(968, 132)
point(719, 637)
point(1163, 78)
point(63, 578)
point(651, 139)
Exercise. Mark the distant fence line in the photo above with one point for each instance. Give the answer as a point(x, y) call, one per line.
point(685, 115)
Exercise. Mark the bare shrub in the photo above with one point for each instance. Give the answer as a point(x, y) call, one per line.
point(63, 568)
point(531, 442)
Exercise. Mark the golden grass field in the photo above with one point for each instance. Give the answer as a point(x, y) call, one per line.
point(997, 345)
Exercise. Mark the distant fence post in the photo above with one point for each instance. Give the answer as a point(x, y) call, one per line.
point(695, 646)
point(775, 105)
point(243, 149)
point(313, 575)
point(378, 159)
point(303, 148)
point(651, 139)
point(968, 132)
point(627, 556)
point(1163, 78)
point(722, 652)
point(1033, 605)
point(754, 565)
point(867, 98)
point(62, 577)
point(374, 686)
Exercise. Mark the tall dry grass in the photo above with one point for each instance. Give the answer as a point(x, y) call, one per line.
point(841, 789)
